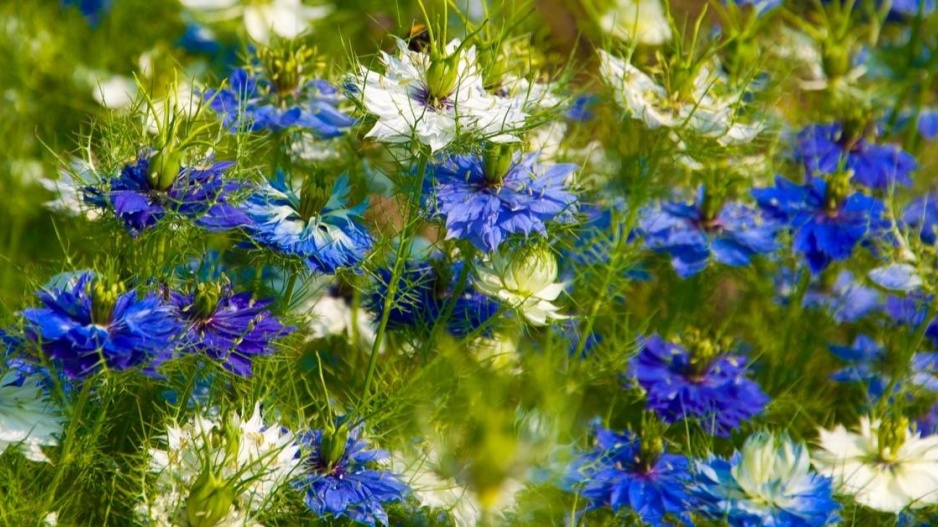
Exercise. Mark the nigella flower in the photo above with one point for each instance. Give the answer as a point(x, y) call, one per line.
point(218, 471)
point(427, 97)
point(769, 483)
point(693, 234)
point(525, 280)
point(921, 215)
point(700, 111)
point(148, 189)
point(85, 325)
point(230, 328)
point(341, 477)
point(263, 20)
point(317, 226)
point(28, 419)
point(624, 472)
point(827, 221)
point(702, 385)
point(884, 465)
point(827, 149)
point(426, 292)
point(846, 300)
point(911, 310)
point(486, 198)
point(256, 103)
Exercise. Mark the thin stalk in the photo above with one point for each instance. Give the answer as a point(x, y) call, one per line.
point(400, 259)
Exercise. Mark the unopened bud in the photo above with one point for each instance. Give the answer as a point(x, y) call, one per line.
point(209, 501)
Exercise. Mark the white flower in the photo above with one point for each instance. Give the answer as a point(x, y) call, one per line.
point(422, 473)
point(284, 18)
point(703, 112)
point(27, 420)
point(68, 190)
point(407, 111)
point(640, 20)
point(887, 479)
point(330, 314)
point(525, 281)
point(206, 454)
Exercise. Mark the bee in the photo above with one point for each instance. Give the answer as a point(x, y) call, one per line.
point(418, 38)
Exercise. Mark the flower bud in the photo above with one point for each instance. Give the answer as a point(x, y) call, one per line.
point(442, 76)
point(209, 501)
point(164, 167)
point(528, 272)
point(332, 447)
point(497, 160)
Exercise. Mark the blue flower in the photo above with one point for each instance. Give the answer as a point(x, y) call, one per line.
point(693, 235)
point(425, 291)
point(140, 201)
point(92, 10)
point(827, 149)
point(482, 206)
point(760, 6)
point(921, 215)
point(230, 328)
point(770, 483)
point(251, 103)
point(317, 226)
point(340, 477)
point(911, 8)
point(618, 473)
point(704, 386)
point(581, 110)
point(846, 300)
point(911, 310)
point(84, 326)
point(827, 223)
point(868, 362)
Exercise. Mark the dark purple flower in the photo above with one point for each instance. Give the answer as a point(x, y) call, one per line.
point(340, 477)
point(680, 385)
point(230, 328)
point(827, 149)
point(619, 474)
point(84, 326)
point(693, 235)
point(485, 207)
point(826, 220)
point(140, 201)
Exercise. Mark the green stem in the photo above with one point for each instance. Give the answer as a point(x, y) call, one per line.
point(400, 260)
point(291, 285)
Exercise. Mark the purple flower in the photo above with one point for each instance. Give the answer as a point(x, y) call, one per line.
point(230, 328)
point(340, 478)
point(693, 235)
point(827, 222)
point(84, 326)
point(485, 208)
point(711, 388)
point(826, 149)
point(251, 103)
point(140, 200)
point(618, 473)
